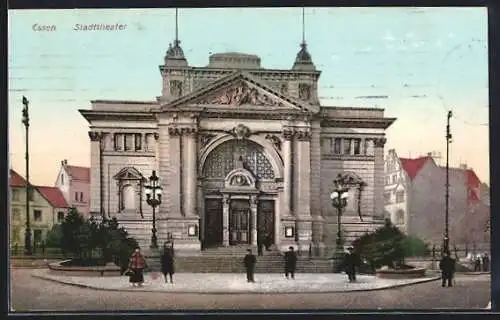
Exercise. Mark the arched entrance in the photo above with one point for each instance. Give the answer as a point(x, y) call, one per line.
point(237, 211)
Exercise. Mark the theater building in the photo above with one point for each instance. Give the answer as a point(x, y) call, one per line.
point(241, 151)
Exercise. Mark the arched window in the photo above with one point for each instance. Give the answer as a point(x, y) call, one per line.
point(128, 197)
point(224, 158)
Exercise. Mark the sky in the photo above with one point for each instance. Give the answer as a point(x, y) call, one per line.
point(419, 62)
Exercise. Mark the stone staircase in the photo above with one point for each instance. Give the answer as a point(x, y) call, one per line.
point(230, 260)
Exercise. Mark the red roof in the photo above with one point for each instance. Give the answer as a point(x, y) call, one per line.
point(16, 180)
point(413, 166)
point(54, 196)
point(473, 185)
point(79, 173)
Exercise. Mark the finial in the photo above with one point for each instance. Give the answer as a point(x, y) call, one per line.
point(176, 26)
point(303, 26)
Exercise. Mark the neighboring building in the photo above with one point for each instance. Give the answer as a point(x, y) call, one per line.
point(240, 150)
point(74, 183)
point(415, 199)
point(47, 207)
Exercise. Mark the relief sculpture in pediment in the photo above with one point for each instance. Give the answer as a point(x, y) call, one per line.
point(240, 94)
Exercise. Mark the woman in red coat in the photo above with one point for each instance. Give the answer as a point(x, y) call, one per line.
point(136, 266)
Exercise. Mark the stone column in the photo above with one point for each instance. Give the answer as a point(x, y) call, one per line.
point(288, 173)
point(378, 144)
point(302, 199)
point(190, 172)
point(225, 220)
point(253, 216)
point(95, 171)
point(174, 177)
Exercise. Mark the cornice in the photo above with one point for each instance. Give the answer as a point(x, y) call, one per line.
point(347, 157)
point(378, 123)
point(91, 115)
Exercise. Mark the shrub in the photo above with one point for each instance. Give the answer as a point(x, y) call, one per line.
point(383, 247)
point(413, 246)
point(54, 236)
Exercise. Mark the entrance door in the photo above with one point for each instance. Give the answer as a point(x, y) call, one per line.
point(265, 221)
point(213, 222)
point(239, 217)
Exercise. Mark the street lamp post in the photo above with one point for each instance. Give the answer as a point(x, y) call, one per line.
point(339, 201)
point(153, 198)
point(446, 240)
point(27, 231)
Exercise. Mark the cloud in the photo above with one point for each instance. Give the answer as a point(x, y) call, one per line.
point(389, 37)
point(451, 35)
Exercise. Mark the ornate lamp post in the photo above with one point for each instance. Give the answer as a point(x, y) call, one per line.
point(339, 201)
point(153, 198)
point(27, 231)
point(446, 240)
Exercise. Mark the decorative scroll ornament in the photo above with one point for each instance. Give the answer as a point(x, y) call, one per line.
point(95, 135)
point(275, 141)
point(205, 139)
point(379, 142)
point(240, 94)
point(241, 131)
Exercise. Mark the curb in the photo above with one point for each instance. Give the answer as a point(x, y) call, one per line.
point(229, 292)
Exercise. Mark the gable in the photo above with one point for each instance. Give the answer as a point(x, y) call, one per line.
point(240, 90)
point(129, 173)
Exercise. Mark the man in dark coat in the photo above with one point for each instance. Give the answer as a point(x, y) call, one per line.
point(350, 263)
point(167, 262)
point(447, 266)
point(290, 262)
point(249, 261)
point(486, 262)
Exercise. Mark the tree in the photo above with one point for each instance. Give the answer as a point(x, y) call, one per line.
point(54, 237)
point(71, 233)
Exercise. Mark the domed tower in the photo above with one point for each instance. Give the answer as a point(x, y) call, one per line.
point(307, 90)
point(174, 79)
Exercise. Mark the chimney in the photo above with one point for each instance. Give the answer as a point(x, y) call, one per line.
point(429, 154)
point(65, 162)
point(463, 166)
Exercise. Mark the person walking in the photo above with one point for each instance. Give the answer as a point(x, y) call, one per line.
point(290, 262)
point(350, 263)
point(249, 262)
point(447, 266)
point(167, 262)
point(136, 266)
point(486, 262)
point(477, 263)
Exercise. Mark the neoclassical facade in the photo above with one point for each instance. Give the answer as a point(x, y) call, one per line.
point(241, 151)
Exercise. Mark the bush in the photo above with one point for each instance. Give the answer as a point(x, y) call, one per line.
point(54, 236)
point(383, 247)
point(415, 247)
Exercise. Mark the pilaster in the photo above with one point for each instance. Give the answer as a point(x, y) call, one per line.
point(189, 176)
point(95, 171)
point(378, 144)
point(253, 226)
point(288, 173)
point(225, 221)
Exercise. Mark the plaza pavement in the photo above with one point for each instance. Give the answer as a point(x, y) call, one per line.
point(29, 293)
point(231, 283)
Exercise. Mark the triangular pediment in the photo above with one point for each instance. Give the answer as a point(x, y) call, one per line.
point(240, 90)
point(129, 173)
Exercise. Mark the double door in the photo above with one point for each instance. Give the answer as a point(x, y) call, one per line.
point(239, 222)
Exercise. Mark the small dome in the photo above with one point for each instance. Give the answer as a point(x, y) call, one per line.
point(303, 61)
point(234, 60)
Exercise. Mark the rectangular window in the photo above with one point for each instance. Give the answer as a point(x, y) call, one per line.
point(337, 142)
point(15, 195)
point(38, 215)
point(394, 178)
point(60, 216)
point(62, 179)
point(76, 196)
point(81, 196)
point(387, 181)
point(37, 235)
point(118, 141)
point(146, 144)
point(16, 214)
point(326, 145)
point(138, 141)
point(347, 146)
point(129, 142)
point(357, 146)
point(387, 197)
point(400, 196)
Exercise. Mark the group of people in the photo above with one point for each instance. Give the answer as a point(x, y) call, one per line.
point(481, 262)
point(137, 265)
point(249, 261)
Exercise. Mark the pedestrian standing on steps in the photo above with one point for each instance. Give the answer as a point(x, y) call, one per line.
point(260, 243)
point(290, 262)
point(249, 262)
point(447, 266)
point(167, 262)
point(136, 267)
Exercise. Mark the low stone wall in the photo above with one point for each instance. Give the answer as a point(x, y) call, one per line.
point(401, 273)
point(110, 270)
